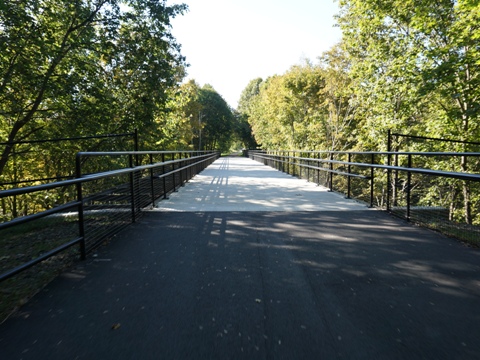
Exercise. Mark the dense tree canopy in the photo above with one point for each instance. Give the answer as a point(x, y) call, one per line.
point(416, 70)
point(415, 65)
point(308, 107)
point(83, 67)
point(199, 118)
point(405, 66)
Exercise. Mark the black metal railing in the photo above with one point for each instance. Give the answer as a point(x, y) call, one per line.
point(110, 190)
point(126, 140)
point(429, 188)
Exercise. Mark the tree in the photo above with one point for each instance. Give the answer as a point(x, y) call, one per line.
point(178, 126)
point(339, 97)
point(243, 131)
point(244, 111)
point(111, 62)
point(290, 110)
point(216, 119)
point(197, 117)
point(248, 94)
point(415, 67)
point(263, 115)
point(422, 53)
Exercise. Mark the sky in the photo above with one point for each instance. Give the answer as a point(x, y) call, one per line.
point(228, 43)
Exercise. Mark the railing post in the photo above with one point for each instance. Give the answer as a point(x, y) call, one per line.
point(331, 171)
point(389, 180)
point(287, 159)
point(152, 188)
point(395, 181)
point(389, 163)
point(81, 220)
point(180, 173)
point(409, 183)
point(135, 140)
point(372, 179)
point(173, 173)
point(300, 164)
point(318, 168)
point(136, 147)
point(197, 166)
point(132, 187)
point(294, 163)
point(349, 178)
point(163, 177)
point(308, 166)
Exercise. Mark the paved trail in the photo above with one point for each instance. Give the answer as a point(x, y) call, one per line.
point(331, 284)
point(241, 184)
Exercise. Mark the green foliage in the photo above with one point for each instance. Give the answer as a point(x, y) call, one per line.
point(414, 66)
point(84, 67)
point(216, 119)
point(248, 94)
point(244, 110)
point(308, 107)
point(79, 68)
point(415, 69)
point(243, 132)
point(197, 118)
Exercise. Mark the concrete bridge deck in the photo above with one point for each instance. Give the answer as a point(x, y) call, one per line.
point(289, 280)
point(241, 184)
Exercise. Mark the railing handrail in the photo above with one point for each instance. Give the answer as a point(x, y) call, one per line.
point(120, 153)
point(90, 177)
point(417, 153)
point(449, 174)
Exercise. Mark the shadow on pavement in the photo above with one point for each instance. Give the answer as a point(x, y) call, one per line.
point(226, 285)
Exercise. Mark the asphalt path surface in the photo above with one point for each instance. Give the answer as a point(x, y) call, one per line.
point(350, 284)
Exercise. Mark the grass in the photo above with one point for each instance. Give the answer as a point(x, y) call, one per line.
point(26, 242)
point(468, 234)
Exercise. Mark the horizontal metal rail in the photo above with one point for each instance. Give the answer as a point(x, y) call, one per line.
point(28, 218)
point(39, 259)
point(416, 153)
point(91, 177)
point(440, 173)
point(312, 166)
point(124, 153)
point(328, 162)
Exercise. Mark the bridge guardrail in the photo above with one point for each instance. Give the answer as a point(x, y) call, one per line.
point(104, 201)
point(403, 183)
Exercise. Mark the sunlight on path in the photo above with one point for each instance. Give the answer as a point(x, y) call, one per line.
point(241, 184)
